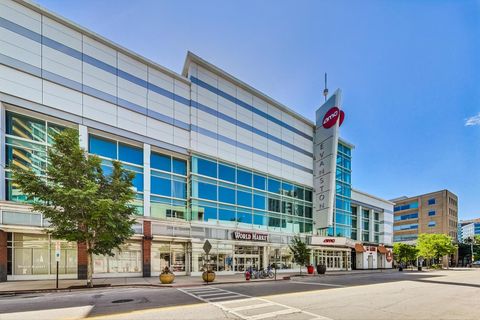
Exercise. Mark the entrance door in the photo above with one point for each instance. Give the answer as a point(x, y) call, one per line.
point(370, 262)
point(248, 256)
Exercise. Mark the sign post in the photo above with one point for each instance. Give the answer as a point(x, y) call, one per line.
point(57, 259)
point(207, 246)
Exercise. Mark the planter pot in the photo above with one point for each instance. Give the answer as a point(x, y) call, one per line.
point(310, 269)
point(321, 269)
point(208, 276)
point(167, 278)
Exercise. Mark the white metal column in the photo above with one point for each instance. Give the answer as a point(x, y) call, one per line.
point(146, 179)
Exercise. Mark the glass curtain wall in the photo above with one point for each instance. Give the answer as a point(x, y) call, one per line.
point(131, 158)
point(343, 194)
point(168, 187)
point(26, 144)
point(236, 196)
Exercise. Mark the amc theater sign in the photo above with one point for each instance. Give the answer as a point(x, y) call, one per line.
point(250, 236)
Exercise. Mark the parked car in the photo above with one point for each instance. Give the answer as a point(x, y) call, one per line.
point(476, 264)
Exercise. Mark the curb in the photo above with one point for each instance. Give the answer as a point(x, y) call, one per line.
point(188, 285)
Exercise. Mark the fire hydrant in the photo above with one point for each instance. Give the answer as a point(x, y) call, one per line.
point(247, 275)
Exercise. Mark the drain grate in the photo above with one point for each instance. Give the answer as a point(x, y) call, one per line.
point(122, 301)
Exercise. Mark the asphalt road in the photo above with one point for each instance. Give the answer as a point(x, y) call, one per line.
point(441, 295)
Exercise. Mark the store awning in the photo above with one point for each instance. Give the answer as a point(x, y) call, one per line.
point(359, 247)
point(382, 249)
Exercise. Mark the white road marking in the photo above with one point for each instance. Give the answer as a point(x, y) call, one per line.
point(250, 303)
point(319, 284)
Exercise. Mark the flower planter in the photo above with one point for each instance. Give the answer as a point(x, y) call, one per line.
point(167, 278)
point(310, 269)
point(208, 276)
point(321, 268)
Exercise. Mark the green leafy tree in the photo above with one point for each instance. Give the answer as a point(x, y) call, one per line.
point(431, 245)
point(81, 203)
point(300, 251)
point(404, 252)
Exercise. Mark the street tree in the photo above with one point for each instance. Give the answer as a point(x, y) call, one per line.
point(80, 201)
point(300, 251)
point(404, 252)
point(432, 245)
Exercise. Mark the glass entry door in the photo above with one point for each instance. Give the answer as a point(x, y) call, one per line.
point(248, 256)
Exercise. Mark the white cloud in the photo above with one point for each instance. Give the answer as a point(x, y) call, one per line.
point(473, 121)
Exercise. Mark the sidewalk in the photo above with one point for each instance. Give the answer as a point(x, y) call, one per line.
point(29, 286)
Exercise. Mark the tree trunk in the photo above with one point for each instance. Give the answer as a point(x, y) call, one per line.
point(89, 267)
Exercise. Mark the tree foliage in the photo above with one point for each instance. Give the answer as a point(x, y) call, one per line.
point(431, 245)
point(404, 252)
point(300, 251)
point(81, 203)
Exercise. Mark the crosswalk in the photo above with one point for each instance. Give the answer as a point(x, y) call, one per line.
point(247, 307)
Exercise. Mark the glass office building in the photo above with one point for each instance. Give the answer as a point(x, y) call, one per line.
point(213, 158)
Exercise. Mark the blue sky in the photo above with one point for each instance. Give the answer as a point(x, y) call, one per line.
point(409, 71)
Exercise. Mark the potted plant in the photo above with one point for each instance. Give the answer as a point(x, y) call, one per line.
point(310, 269)
point(321, 268)
point(208, 275)
point(166, 276)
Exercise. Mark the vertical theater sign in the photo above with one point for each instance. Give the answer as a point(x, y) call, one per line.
point(329, 117)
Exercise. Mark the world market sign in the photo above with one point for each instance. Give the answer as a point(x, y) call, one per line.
point(250, 236)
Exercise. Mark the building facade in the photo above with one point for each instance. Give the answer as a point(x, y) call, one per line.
point(213, 159)
point(468, 229)
point(435, 212)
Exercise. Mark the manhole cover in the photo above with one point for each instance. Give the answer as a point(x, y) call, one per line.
point(122, 300)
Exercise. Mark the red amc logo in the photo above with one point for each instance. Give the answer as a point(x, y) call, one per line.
point(332, 116)
point(328, 240)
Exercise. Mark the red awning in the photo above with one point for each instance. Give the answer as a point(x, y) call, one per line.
point(382, 249)
point(359, 247)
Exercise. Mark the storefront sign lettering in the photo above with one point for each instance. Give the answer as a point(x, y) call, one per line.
point(329, 241)
point(250, 236)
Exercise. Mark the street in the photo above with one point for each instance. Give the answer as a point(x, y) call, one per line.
point(448, 294)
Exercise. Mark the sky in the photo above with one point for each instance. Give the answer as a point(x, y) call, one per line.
point(409, 73)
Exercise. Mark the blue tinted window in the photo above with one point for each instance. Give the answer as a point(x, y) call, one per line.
point(244, 177)
point(179, 189)
point(431, 201)
point(273, 185)
point(244, 217)
point(207, 168)
point(160, 162)
point(244, 198)
point(209, 213)
point(207, 191)
point(102, 147)
point(432, 224)
point(138, 182)
point(226, 195)
point(130, 154)
point(431, 213)
point(259, 201)
point(226, 215)
point(259, 219)
point(259, 182)
point(180, 166)
point(226, 173)
point(287, 189)
point(161, 186)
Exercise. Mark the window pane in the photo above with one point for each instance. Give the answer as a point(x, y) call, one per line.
point(207, 191)
point(260, 219)
point(273, 185)
point(209, 214)
point(130, 154)
point(160, 162)
point(226, 173)
point(226, 195)
point(161, 186)
point(207, 168)
point(226, 215)
point(102, 147)
point(308, 195)
point(244, 198)
point(179, 189)
point(299, 193)
point(24, 158)
point(25, 127)
point(244, 178)
point(180, 166)
point(259, 182)
point(273, 204)
point(308, 212)
point(138, 182)
point(52, 131)
point(259, 201)
point(244, 216)
point(287, 189)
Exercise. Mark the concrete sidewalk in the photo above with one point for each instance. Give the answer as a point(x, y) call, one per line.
point(28, 286)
